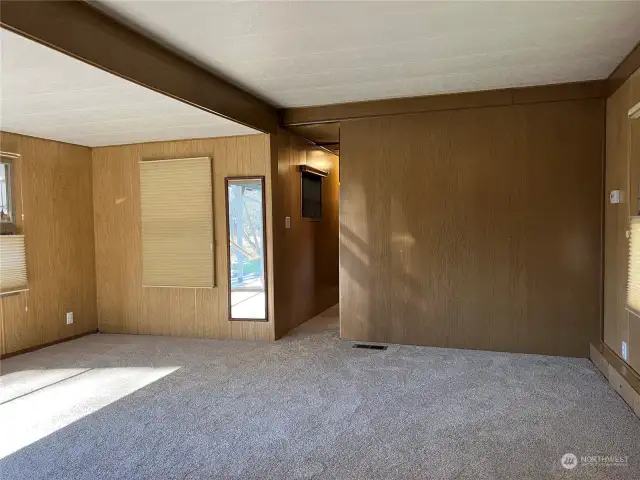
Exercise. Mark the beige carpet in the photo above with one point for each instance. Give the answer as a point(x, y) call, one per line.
point(308, 406)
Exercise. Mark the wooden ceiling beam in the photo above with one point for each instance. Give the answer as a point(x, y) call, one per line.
point(81, 31)
point(450, 101)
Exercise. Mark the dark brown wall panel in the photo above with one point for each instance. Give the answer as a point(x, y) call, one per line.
point(626, 69)
point(443, 102)
point(476, 228)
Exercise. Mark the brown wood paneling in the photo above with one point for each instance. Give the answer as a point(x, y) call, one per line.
point(634, 81)
point(433, 103)
point(616, 246)
point(561, 92)
point(322, 133)
point(622, 379)
point(634, 208)
point(476, 228)
point(44, 345)
point(306, 255)
point(634, 342)
point(116, 202)
point(21, 328)
point(124, 306)
point(122, 51)
point(622, 72)
point(622, 172)
point(56, 202)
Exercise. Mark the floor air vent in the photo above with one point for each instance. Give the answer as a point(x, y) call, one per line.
point(370, 347)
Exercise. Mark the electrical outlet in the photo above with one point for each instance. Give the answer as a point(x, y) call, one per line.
point(625, 351)
point(69, 318)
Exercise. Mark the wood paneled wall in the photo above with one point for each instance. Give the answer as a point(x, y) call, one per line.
point(124, 306)
point(56, 192)
point(476, 228)
point(622, 173)
point(306, 255)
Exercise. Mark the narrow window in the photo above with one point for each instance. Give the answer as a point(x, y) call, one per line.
point(246, 247)
point(7, 211)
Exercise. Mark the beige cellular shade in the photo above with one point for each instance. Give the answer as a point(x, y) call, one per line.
point(177, 223)
point(13, 267)
point(633, 284)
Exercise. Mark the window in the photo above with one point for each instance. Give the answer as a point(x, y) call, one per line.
point(176, 205)
point(311, 192)
point(246, 247)
point(7, 208)
point(633, 284)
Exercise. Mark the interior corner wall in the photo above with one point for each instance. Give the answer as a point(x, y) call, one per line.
point(306, 255)
point(124, 305)
point(622, 173)
point(476, 228)
point(55, 213)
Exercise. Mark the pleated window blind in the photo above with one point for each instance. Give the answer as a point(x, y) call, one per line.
point(13, 266)
point(633, 284)
point(177, 223)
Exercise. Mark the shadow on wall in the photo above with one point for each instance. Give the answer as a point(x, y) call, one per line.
point(365, 268)
point(449, 236)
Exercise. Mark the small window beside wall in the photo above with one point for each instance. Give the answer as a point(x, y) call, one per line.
point(7, 206)
point(246, 248)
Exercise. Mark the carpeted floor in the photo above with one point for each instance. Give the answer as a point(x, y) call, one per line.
point(308, 406)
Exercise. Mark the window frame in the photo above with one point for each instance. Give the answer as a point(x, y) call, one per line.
point(12, 226)
point(311, 172)
point(262, 180)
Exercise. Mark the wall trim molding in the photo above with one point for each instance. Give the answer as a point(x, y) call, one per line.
point(450, 101)
point(48, 344)
point(624, 70)
point(66, 25)
point(622, 378)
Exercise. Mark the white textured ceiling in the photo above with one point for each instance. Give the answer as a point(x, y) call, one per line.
point(50, 95)
point(309, 53)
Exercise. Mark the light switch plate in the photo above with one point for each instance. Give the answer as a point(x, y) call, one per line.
point(615, 197)
point(69, 318)
point(625, 351)
point(287, 222)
